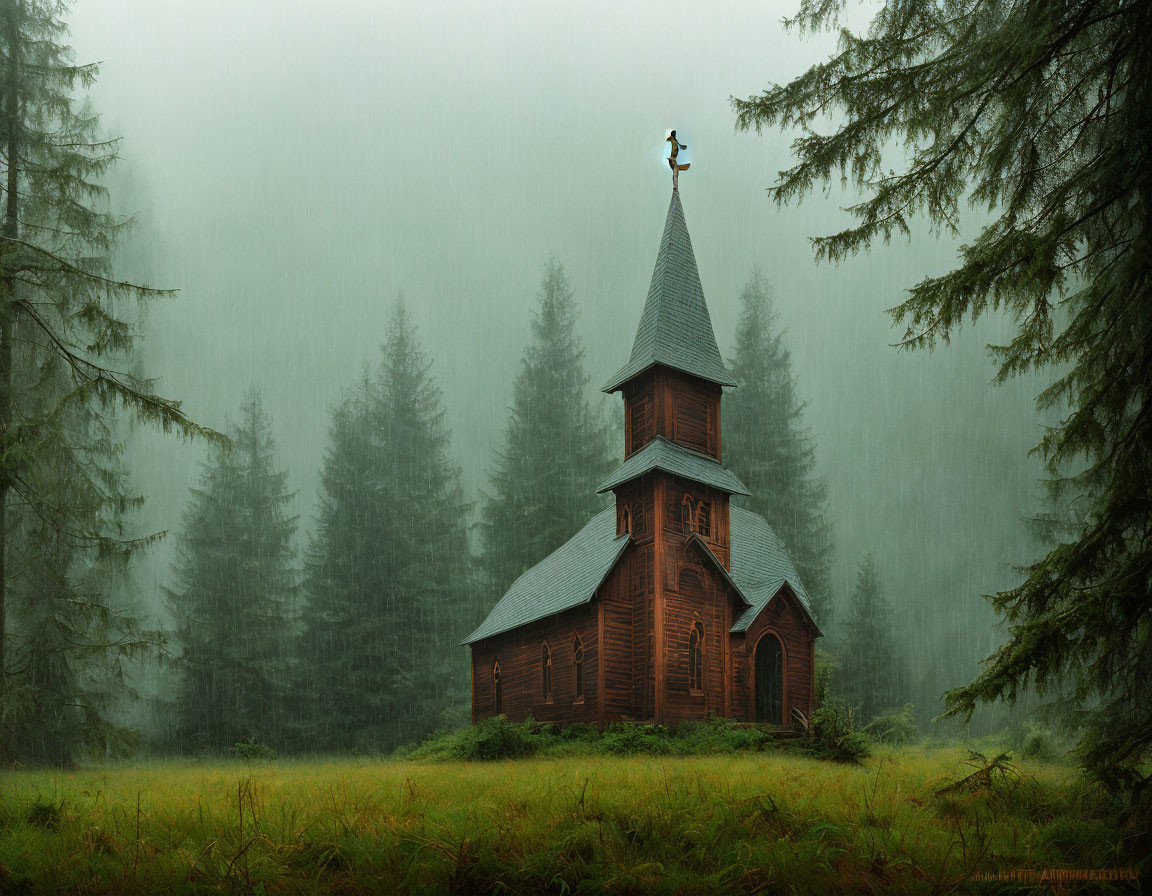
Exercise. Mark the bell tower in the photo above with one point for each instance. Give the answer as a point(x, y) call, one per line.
point(672, 491)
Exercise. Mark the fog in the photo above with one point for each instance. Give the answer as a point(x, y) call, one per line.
point(296, 166)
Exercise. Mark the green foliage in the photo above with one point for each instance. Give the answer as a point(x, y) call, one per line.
point(1039, 742)
point(497, 738)
point(68, 328)
point(555, 453)
point(252, 751)
point(872, 670)
point(45, 814)
point(767, 445)
point(234, 598)
point(896, 728)
point(1038, 113)
point(834, 734)
point(388, 579)
point(626, 739)
point(827, 668)
point(490, 739)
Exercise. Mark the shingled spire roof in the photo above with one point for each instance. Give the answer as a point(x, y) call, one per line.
point(675, 329)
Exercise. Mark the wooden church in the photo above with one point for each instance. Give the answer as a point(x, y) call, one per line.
point(673, 604)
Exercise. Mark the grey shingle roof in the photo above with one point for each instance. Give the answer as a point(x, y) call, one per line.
point(569, 576)
point(675, 329)
point(760, 565)
point(660, 454)
point(566, 578)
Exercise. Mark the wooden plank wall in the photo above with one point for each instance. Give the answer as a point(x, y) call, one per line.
point(520, 662)
point(616, 603)
point(783, 616)
point(697, 597)
point(719, 536)
point(639, 413)
point(679, 407)
point(693, 412)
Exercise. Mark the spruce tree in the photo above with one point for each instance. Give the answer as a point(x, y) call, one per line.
point(1038, 113)
point(66, 328)
point(767, 445)
point(388, 576)
point(235, 593)
point(555, 452)
point(870, 667)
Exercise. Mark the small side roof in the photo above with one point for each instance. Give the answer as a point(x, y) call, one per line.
point(566, 578)
point(660, 454)
point(761, 566)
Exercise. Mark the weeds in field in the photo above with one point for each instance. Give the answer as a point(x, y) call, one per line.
point(742, 822)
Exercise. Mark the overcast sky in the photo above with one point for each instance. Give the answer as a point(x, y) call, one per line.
point(297, 165)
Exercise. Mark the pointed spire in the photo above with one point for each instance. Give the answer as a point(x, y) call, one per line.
point(675, 329)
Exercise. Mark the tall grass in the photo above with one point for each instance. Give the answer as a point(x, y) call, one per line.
point(739, 823)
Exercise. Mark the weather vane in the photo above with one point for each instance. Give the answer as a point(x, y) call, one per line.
point(672, 163)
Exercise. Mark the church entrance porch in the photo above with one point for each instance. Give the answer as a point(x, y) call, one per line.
point(768, 677)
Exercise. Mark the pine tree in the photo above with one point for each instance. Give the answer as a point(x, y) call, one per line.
point(870, 668)
point(767, 446)
point(555, 453)
point(64, 330)
point(388, 579)
point(234, 598)
point(1039, 112)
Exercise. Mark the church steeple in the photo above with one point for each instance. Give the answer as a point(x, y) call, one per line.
point(675, 329)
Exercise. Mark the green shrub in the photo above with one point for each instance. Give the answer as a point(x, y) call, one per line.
point(630, 739)
point(252, 751)
point(894, 728)
point(718, 736)
point(497, 738)
point(490, 739)
point(45, 814)
point(834, 734)
point(1039, 742)
point(580, 731)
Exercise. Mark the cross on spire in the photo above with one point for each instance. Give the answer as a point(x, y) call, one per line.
point(672, 163)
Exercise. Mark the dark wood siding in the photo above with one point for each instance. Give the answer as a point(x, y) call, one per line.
point(520, 650)
point(691, 421)
point(692, 415)
point(639, 413)
point(784, 617)
point(698, 598)
point(681, 408)
point(617, 603)
point(718, 532)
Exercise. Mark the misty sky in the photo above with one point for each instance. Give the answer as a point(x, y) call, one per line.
point(296, 165)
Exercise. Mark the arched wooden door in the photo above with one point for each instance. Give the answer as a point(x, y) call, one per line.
point(769, 704)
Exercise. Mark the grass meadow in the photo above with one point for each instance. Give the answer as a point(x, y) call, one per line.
point(743, 823)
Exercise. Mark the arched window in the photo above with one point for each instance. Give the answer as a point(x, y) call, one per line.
point(688, 514)
point(696, 658)
point(497, 687)
point(578, 666)
point(704, 518)
point(625, 522)
point(546, 672)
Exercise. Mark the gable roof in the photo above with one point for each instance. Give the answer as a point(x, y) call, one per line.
point(761, 566)
point(661, 454)
point(696, 539)
point(566, 578)
point(675, 329)
point(570, 575)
